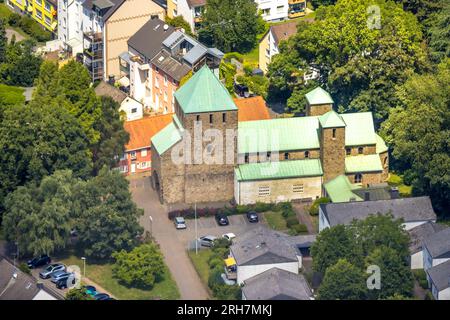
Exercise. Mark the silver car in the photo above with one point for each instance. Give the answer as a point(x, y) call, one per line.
point(207, 241)
point(180, 223)
point(49, 270)
point(59, 275)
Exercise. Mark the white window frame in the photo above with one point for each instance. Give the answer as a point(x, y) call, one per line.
point(143, 152)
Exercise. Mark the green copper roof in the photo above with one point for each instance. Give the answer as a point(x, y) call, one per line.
point(381, 145)
point(363, 163)
point(282, 134)
point(279, 170)
point(166, 138)
point(331, 120)
point(359, 128)
point(318, 96)
point(204, 93)
point(340, 189)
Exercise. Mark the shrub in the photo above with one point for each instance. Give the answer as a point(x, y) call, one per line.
point(299, 228)
point(14, 19)
point(282, 206)
point(32, 28)
point(314, 210)
point(262, 207)
point(243, 208)
point(421, 278)
point(213, 263)
point(429, 296)
point(24, 268)
point(291, 221)
point(233, 55)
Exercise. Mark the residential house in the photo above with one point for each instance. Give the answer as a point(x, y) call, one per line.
point(439, 281)
point(262, 249)
point(417, 236)
point(106, 26)
point(190, 10)
point(269, 43)
point(16, 285)
point(106, 89)
point(137, 157)
point(43, 11)
point(436, 249)
point(414, 211)
point(132, 109)
point(266, 164)
point(276, 284)
point(160, 56)
point(253, 108)
point(70, 29)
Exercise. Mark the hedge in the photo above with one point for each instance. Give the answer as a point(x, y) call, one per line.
point(291, 221)
point(299, 228)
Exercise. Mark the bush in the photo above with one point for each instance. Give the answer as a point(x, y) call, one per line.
point(314, 210)
point(233, 55)
point(24, 268)
point(291, 221)
point(429, 296)
point(14, 19)
point(213, 263)
point(421, 278)
point(32, 28)
point(299, 228)
point(262, 207)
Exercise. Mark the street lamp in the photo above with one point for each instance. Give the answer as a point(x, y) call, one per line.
point(151, 225)
point(84, 266)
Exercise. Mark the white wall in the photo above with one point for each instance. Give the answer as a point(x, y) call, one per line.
point(444, 294)
point(413, 224)
point(138, 79)
point(429, 262)
point(272, 5)
point(128, 105)
point(42, 295)
point(323, 222)
point(417, 260)
point(186, 12)
point(246, 272)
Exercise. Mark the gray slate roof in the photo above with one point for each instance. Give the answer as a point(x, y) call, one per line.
point(175, 69)
point(410, 209)
point(22, 288)
point(277, 284)
point(89, 4)
point(147, 41)
point(418, 234)
point(263, 246)
point(440, 275)
point(438, 244)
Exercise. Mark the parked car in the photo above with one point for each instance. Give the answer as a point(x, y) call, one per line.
point(229, 236)
point(241, 90)
point(180, 223)
point(222, 220)
point(47, 271)
point(252, 216)
point(39, 261)
point(101, 296)
point(207, 241)
point(90, 290)
point(64, 282)
point(59, 275)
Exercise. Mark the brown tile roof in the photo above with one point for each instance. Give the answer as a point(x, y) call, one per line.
point(283, 31)
point(253, 108)
point(105, 89)
point(142, 130)
point(196, 3)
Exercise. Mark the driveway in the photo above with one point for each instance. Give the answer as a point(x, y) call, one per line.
point(174, 250)
point(174, 243)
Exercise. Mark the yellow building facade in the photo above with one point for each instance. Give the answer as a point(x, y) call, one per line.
point(43, 11)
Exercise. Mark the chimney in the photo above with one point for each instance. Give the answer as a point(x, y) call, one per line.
point(394, 193)
point(366, 196)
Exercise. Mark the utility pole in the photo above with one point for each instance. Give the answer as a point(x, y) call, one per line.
point(196, 234)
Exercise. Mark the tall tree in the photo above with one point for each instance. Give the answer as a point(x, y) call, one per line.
point(333, 244)
point(179, 22)
point(3, 41)
point(231, 25)
point(113, 136)
point(47, 83)
point(343, 281)
point(107, 217)
point(38, 218)
point(418, 132)
point(361, 54)
point(437, 28)
point(422, 9)
point(396, 276)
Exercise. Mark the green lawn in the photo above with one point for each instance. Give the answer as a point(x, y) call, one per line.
point(200, 262)
point(102, 274)
point(5, 12)
point(275, 220)
point(396, 180)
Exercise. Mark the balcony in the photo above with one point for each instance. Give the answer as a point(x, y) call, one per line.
point(93, 37)
point(296, 9)
point(93, 53)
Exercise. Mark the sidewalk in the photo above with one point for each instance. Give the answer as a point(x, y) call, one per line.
point(100, 289)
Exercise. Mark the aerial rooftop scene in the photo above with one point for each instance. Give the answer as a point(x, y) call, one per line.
point(239, 151)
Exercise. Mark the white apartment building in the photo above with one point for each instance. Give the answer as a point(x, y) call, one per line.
point(70, 19)
point(273, 10)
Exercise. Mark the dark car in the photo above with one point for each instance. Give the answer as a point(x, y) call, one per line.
point(101, 296)
point(252, 216)
point(39, 261)
point(222, 219)
point(64, 282)
point(241, 90)
point(90, 290)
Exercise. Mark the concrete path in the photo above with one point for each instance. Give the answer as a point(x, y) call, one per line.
point(304, 217)
point(163, 230)
point(11, 32)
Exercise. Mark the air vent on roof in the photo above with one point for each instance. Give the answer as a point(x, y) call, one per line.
point(156, 28)
point(166, 27)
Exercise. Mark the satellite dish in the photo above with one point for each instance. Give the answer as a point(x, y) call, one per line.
point(166, 27)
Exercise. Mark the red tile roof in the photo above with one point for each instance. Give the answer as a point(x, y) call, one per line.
point(253, 108)
point(142, 130)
